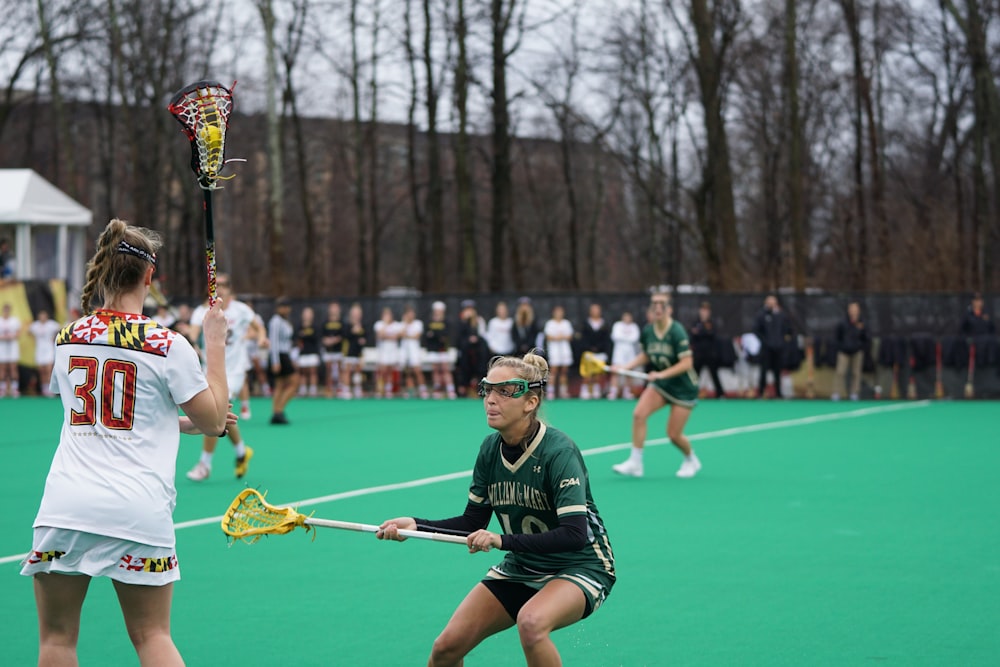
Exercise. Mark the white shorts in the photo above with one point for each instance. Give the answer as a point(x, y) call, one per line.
point(439, 357)
point(72, 552)
point(331, 357)
point(308, 361)
point(410, 354)
point(560, 353)
point(10, 352)
point(235, 384)
point(45, 356)
point(388, 354)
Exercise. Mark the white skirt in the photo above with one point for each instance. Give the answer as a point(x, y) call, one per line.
point(65, 551)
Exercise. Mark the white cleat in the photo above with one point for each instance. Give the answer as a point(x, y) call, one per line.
point(199, 473)
point(629, 468)
point(689, 468)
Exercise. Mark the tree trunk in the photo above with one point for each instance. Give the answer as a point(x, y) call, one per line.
point(276, 203)
point(796, 147)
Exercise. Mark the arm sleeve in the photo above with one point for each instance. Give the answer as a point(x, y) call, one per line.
point(474, 518)
point(571, 535)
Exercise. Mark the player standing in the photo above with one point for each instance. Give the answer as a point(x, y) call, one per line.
point(666, 349)
point(243, 324)
point(110, 494)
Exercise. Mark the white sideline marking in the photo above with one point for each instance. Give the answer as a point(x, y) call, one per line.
point(708, 435)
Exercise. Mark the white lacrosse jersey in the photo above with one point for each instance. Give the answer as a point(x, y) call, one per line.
point(45, 340)
point(10, 350)
point(239, 316)
point(121, 377)
point(411, 342)
point(625, 342)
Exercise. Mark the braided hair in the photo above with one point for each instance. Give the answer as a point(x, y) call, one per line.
point(123, 255)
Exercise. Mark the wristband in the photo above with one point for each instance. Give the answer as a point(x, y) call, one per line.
point(224, 433)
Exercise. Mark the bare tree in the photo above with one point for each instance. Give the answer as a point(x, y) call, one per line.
point(276, 192)
point(715, 24)
point(986, 134)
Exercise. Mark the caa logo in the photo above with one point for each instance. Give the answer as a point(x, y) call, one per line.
point(572, 481)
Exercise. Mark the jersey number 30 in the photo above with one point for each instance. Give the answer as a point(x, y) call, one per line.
point(116, 382)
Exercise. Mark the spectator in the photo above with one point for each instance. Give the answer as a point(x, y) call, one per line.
point(333, 348)
point(411, 334)
point(387, 335)
point(437, 342)
point(473, 351)
point(774, 329)
point(10, 352)
point(355, 341)
point(44, 331)
point(498, 331)
point(165, 316)
point(625, 340)
point(525, 332)
point(976, 321)
point(6, 261)
point(595, 337)
point(705, 347)
point(558, 334)
point(851, 339)
point(307, 342)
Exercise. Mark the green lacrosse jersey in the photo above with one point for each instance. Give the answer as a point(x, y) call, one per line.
point(663, 352)
point(547, 482)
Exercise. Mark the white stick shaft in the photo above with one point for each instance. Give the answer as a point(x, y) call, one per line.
point(627, 373)
point(369, 528)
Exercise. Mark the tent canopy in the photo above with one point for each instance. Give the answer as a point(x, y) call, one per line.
point(47, 227)
point(26, 197)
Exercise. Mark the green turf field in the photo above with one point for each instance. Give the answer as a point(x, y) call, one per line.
point(816, 534)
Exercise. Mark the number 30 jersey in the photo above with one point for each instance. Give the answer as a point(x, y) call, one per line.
point(120, 377)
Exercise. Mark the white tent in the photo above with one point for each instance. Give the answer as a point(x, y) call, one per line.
point(47, 228)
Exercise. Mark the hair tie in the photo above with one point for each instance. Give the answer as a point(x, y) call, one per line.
point(127, 248)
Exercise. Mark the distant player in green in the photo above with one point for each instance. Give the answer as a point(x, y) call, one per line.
point(672, 380)
point(559, 567)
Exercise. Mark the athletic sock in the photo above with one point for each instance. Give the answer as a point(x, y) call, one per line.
point(240, 448)
point(206, 459)
point(636, 454)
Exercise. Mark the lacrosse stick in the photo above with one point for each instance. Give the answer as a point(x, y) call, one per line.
point(203, 110)
point(938, 371)
point(970, 387)
point(250, 516)
point(590, 366)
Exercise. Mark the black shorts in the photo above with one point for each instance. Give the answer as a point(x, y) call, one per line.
point(286, 366)
point(513, 595)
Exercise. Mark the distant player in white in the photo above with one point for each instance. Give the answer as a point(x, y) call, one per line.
point(387, 335)
point(44, 331)
point(499, 337)
point(625, 347)
point(243, 325)
point(558, 334)
point(10, 351)
point(110, 493)
point(411, 353)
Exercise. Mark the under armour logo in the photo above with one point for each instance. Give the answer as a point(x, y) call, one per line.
point(537, 468)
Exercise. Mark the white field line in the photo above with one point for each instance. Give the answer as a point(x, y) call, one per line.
point(708, 435)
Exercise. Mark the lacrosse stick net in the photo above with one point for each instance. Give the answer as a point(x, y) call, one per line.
point(250, 517)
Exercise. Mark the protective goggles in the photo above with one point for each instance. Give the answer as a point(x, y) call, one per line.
point(509, 388)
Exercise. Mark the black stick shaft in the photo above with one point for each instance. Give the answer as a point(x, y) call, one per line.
point(210, 247)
